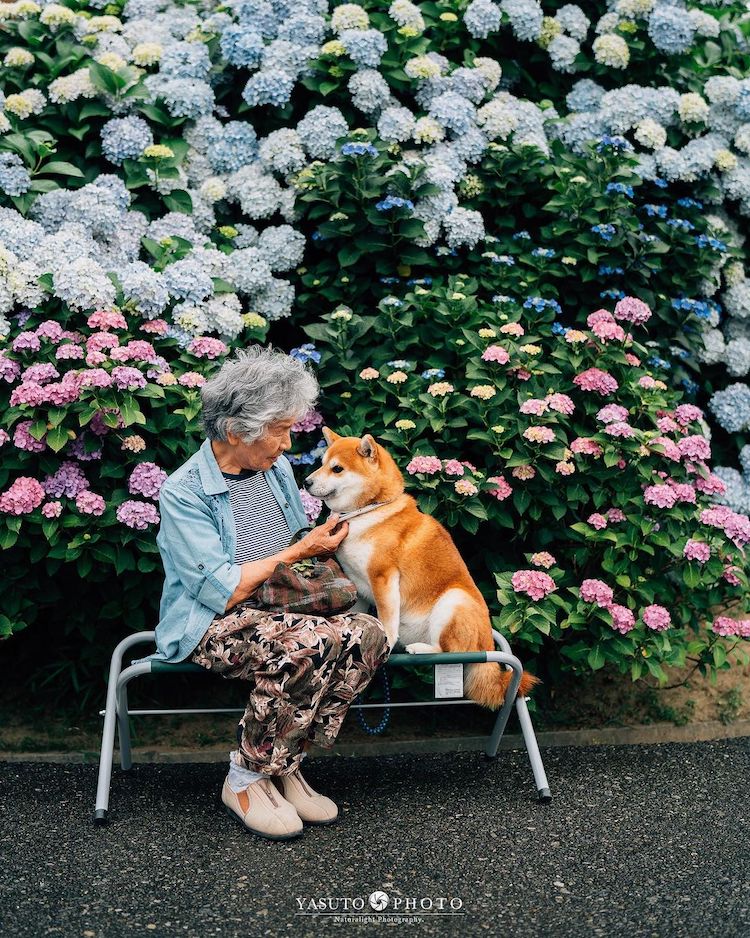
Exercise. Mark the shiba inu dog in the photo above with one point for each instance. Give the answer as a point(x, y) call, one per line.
point(405, 562)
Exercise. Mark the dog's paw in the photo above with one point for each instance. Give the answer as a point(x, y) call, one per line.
point(421, 648)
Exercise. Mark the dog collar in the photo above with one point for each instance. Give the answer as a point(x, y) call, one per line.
point(360, 511)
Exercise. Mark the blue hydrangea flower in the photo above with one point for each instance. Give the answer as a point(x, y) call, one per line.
point(14, 177)
point(605, 231)
point(715, 244)
point(125, 138)
point(359, 149)
point(305, 353)
point(232, 146)
point(538, 304)
point(242, 46)
point(655, 211)
point(621, 188)
point(394, 201)
point(670, 30)
point(269, 87)
point(365, 47)
point(433, 373)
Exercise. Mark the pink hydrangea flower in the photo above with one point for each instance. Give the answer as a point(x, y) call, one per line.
point(427, 465)
point(587, 446)
point(696, 550)
point(632, 359)
point(713, 485)
point(23, 496)
point(523, 374)
point(68, 479)
point(89, 503)
point(561, 403)
point(687, 413)
point(107, 319)
point(137, 350)
point(23, 439)
point(29, 393)
point(63, 392)
point(465, 487)
point(694, 447)
point(453, 467)
point(597, 520)
point(10, 369)
point(205, 346)
point(308, 422)
point(594, 379)
point(667, 425)
point(40, 372)
point(495, 353)
point(646, 381)
point(671, 450)
point(543, 558)
point(523, 472)
point(661, 495)
point(155, 326)
point(191, 379)
point(596, 591)
point(502, 490)
point(537, 434)
point(95, 358)
point(619, 429)
point(631, 309)
point(608, 331)
point(52, 509)
point(26, 342)
point(684, 491)
point(534, 583)
point(612, 413)
point(3, 437)
point(723, 625)
point(615, 514)
point(534, 406)
point(69, 351)
point(50, 329)
point(137, 515)
point(623, 620)
point(513, 328)
point(656, 617)
point(127, 378)
point(98, 341)
point(96, 378)
point(313, 506)
point(601, 315)
point(146, 479)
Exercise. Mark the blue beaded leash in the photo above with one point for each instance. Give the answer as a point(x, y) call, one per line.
point(386, 716)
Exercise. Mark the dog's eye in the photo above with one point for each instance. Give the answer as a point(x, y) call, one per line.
point(337, 469)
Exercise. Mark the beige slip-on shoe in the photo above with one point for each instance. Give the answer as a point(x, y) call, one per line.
point(311, 805)
point(262, 810)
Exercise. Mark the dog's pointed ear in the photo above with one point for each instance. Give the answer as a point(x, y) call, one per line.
point(368, 447)
point(329, 435)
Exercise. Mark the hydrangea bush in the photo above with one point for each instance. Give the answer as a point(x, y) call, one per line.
point(177, 180)
point(593, 479)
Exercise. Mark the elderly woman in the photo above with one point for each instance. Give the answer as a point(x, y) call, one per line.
point(228, 515)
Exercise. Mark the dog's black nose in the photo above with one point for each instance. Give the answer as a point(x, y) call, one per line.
point(307, 483)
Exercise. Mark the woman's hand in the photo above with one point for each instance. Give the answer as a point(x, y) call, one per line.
point(323, 539)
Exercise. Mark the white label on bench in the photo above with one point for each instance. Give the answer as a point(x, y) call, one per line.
point(449, 680)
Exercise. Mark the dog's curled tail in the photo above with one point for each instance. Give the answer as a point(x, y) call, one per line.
point(487, 684)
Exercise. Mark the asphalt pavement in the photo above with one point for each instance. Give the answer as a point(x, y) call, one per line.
point(638, 841)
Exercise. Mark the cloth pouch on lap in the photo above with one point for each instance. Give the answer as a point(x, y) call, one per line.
point(316, 586)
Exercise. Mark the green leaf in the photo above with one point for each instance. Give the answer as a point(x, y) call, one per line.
point(61, 168)
point(596, 658)
point(178, 201)
point(57, 438)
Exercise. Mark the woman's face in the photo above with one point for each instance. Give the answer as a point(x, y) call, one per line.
point(263, 453)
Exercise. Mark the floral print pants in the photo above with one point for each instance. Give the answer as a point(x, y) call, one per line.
point(304, 672)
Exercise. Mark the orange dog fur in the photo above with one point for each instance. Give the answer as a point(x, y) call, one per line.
point(405, 562)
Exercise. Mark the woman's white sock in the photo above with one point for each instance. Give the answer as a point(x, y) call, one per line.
point(239, 776)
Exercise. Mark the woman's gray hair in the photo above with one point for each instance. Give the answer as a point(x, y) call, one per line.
point(258, 386)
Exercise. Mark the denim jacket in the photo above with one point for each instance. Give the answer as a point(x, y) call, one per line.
point(197, 540)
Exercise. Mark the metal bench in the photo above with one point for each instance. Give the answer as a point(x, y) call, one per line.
point(116, 715)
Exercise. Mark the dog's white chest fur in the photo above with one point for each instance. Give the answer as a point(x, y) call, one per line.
point(354, 554)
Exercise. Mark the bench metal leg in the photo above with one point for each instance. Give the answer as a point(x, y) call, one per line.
point(110, 722)
point(527, 729)
point(123, 728)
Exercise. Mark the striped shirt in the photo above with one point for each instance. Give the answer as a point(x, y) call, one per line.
point(261, 526)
